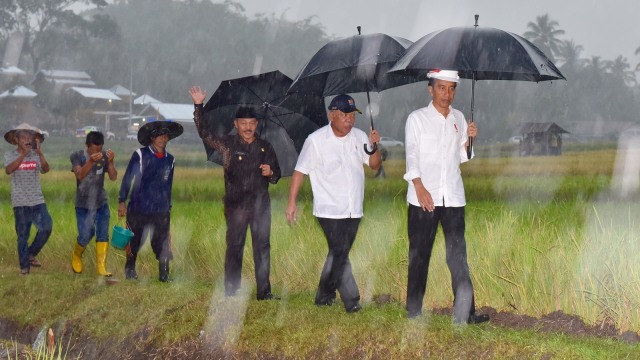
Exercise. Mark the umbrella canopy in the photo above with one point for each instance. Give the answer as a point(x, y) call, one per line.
point(355, 64)
point(285, 120)
point(478, 54)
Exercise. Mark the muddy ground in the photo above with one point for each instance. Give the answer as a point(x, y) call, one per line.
point(15, 337)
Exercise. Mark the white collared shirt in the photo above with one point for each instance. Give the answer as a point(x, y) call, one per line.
point(334, 166)
point(435, 148)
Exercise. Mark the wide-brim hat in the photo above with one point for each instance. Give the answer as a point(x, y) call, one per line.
point(12, 135)
point(156, 128)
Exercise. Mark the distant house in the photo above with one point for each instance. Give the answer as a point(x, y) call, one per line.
point(12, 71)
point(18, 92)
point(171, 112)
point(122, 91)
point(62, 79)
point(145, 100)
point(544, 138)
point(93, 93)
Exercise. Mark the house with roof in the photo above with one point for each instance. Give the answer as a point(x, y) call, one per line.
point(171, 112)
point(145, 99)
point(18, 92)
point(541, 138)
point(59, 80)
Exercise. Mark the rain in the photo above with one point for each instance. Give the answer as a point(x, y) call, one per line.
point(551, 193)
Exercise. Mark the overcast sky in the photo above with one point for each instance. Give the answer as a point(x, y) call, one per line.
point(604, 28)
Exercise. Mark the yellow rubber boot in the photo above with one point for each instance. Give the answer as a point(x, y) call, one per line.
point(76, 258)
point(101, 258)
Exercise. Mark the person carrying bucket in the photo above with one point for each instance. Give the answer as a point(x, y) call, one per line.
point(92, 206)
point(147, 184)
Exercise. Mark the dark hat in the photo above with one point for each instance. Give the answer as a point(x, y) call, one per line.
point(344, 103)
point(245, 112)
point(12, 135)
point(153, 129)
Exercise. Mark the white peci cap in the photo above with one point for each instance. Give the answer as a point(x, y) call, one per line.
point(447, 75)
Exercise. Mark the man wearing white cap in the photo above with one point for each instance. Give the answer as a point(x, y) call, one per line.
point(436, 144)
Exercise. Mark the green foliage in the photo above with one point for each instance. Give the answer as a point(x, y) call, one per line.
point(543, 234)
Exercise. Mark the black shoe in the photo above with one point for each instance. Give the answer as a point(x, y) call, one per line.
point(131, 274)
point(130, 268)
point(269, 296)
point(163, 270)
point(413, 314)
point(327, 302)
point(354, 308)
point(478, 318)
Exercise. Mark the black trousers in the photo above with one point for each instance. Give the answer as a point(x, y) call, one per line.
point(422, 227)
point(336, 273)
point(257, 217)
point(156, 226)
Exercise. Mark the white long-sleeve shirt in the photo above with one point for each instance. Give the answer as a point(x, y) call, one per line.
point(435, 148)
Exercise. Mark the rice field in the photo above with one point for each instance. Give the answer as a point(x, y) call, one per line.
point(543, 234)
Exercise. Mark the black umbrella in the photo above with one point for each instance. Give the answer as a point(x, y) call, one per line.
point(478, 54)
point(285, 119)
point(354, 64)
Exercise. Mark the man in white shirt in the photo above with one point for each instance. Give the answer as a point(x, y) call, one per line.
point(436, 144)
point(332, 156)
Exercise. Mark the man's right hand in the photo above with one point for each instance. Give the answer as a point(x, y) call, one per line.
point(424, 197)
point(292, 213)
point(95, 157)
point(197, 95)
point(122, 210)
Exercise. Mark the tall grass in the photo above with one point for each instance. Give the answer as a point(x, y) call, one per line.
point(543, 234)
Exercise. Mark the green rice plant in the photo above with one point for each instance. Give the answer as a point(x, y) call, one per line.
point(543, 234)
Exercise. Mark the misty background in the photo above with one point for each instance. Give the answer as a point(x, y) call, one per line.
point(162, 47)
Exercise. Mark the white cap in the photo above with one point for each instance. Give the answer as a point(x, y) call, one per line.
point(447, 75)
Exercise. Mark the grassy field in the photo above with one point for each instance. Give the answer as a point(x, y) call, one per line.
point(543, 234)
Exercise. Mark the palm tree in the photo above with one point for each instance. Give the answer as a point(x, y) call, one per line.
point(569, 52)
point(544, 34)
point(620, 69)
point(596, 65)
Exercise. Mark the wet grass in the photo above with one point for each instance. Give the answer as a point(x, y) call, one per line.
point(543, 234)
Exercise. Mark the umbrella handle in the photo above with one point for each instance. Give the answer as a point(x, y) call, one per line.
point(373, 151)
point(469, 148)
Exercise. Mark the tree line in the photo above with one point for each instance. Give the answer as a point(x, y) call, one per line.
point(165, 46)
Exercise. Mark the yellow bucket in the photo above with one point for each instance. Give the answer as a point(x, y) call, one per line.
point(120, 237)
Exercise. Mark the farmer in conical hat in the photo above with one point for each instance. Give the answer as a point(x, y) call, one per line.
point(24, 164)
point(147, 184)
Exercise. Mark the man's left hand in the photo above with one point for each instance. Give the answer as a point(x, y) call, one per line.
point(472, 130)
point(374, 136)
point(266, 170)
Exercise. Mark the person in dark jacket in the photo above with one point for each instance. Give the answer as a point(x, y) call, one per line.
point(250, 165)
point(147, 184)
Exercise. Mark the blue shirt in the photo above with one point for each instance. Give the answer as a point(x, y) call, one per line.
point(148, 180)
